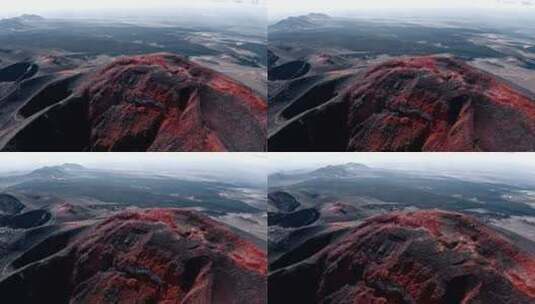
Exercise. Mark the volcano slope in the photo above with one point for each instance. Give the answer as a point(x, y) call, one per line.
point(421, 257)
point(156, 102)
point(149, 256)
point(429, 103)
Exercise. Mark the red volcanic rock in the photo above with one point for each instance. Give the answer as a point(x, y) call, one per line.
point(412, 104)
point(158, 102)
point(153, 256)
point(437, 104)
point(164, 102)
point(422, 257)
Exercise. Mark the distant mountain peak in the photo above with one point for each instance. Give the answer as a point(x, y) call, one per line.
point(48, 171)
point(56, 171)
point(318, 16)
point(72, 166)
point(302, 22)
point(349, 165)
point(19, 23)
point(31, 17)
point(341, 170)
point(354, 165)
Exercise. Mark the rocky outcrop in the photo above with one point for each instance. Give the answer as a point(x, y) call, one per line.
point(417, 104)
point(157, 102)
point(167, 103)
point(150, 256)
point(430, 257)
point(10, 205)
point(283, 201)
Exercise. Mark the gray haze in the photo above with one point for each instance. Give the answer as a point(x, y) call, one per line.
point(492, 13)
point(219, 166)
point(217, 13)
point(517, 168)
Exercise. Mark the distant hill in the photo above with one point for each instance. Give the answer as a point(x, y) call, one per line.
point(56, 171)
point(344, 170)
point(19, 23)
point(348, 170)
point(303, 22)
point(30, 17)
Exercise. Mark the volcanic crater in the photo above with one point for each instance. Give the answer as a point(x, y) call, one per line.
point(156, 102)
point(141, 256)
point(400, 258)
point(429, 103)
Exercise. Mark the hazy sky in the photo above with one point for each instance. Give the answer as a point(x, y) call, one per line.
point(408, 161)
point(263, 161)
point(254, 167)
point(278, 8)
point(16, 7)
point(152, 162)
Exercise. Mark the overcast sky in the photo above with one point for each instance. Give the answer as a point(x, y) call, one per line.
point(280, 8)
point(254, 164)
point(254, 167)
point(263, 161)
point(408, 161)
point(277, 8)
point(72, 7)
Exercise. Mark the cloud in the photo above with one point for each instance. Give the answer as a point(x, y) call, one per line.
point(516, 2)
point(285, 7)
point(23, 6)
